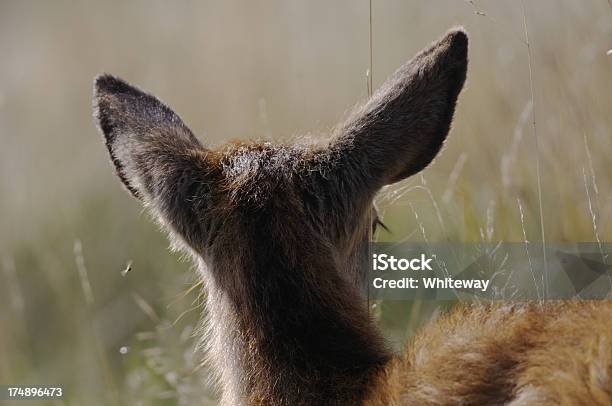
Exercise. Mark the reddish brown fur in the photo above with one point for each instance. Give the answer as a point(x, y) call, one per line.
point(277, 232)
point(553, 353)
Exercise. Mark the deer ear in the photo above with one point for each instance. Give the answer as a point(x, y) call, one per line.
point(402, 127)
point(155, 155)
point(139, 131)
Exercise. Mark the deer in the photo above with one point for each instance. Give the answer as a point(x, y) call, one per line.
point(276, 231)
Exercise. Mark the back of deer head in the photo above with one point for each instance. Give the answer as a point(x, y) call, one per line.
point(277, 230)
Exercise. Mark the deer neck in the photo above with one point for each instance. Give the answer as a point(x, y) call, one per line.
point(287, 328)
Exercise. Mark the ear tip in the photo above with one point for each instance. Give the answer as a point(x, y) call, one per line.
point(108, 91)
point(106, 87)
point(458, 32)
point(107, 83)
point(457, 40)
point(104, 81)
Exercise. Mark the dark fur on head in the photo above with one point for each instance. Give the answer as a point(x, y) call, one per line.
point(277, 229)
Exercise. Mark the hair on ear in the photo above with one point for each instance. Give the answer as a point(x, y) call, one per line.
point(127, 116)
point(155, 155)
point(402, 127)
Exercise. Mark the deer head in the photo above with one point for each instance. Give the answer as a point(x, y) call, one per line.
point(277, 230)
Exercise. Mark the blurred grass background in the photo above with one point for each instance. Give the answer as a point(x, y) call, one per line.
point(273, 69)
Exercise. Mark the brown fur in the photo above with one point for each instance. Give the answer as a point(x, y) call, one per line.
point(277, 232)
point(554, 353)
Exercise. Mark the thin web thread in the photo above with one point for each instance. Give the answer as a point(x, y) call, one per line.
point(371, 219)
point(537, 154)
